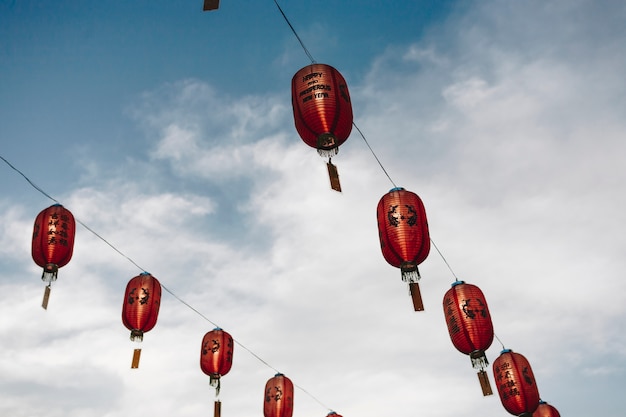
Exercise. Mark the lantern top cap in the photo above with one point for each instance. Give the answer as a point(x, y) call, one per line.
point(457, 282)
point(396, 189)
point(218, 328)
point(506, 351)
point(145, 273)
point(279, 374)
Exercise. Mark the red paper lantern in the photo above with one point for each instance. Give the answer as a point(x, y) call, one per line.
point(322, 111)
point(53, 243)
point(404, 238)
point(53, 240)
point(546, 410)
point(140, 310)
point(278, 399)
point(469, 325)
point(216, 355)
point(516, 383)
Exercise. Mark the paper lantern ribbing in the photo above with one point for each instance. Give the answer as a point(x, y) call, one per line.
point(469, 325)
point(546, 410)
point(404, 237)
point(53, 243)
point(516, 383)
point(322, 111)
point(278, 398)
point(216, 355)
point(140, 310)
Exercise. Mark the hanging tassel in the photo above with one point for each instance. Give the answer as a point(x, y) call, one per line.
point(334, 176)
point(136, 356)
point(217, 409)
point(416, 296)
point(484, 383)
point(46, 297)
point(214, 381)
point(479, 360)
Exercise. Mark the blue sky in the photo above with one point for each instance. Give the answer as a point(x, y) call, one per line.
point(169, 132)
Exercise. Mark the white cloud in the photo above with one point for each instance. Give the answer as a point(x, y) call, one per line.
point(515, 148)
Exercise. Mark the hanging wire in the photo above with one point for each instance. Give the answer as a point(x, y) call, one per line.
point(496, 336)
point(373, 153)
point(195, 310)
point(444, 259)
point(306, 51)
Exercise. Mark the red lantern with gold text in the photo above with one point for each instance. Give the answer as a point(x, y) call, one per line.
point(469, 325)
point(278, 399)
point(140, 310)
point(516, 383)
point(404, 238)
point(216, 359)
point(53, 243)
point(546, 410)
point(322, 111)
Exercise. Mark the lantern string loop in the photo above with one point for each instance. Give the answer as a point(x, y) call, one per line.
point(306, 51)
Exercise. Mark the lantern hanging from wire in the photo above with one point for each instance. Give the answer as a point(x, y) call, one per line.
point(546, 410)
point(516, 383)
point(53, 243)
point(278, 398)
point(216, 359)
point(322, 111)
point(404, 237)
point(470, 327)
point(140, 310)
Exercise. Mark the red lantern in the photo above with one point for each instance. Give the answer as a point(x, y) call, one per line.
point(216, 355)
point(278, 400)
point(404, 238)
point(469, 325)
point(322, 111)
point(53, 243)
point(546, 410)
point(516, 383)
point(141, 308)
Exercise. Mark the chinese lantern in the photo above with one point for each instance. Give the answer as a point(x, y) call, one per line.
point(322, 111)
point(216, 359)
point(404, 239)
point(141, 308)
point(546, 410)
point(53, 243)
point(469, 325)
point(278, 399)
point(516, 383)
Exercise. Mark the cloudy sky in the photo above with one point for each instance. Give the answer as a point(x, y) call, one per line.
point(169, 132)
